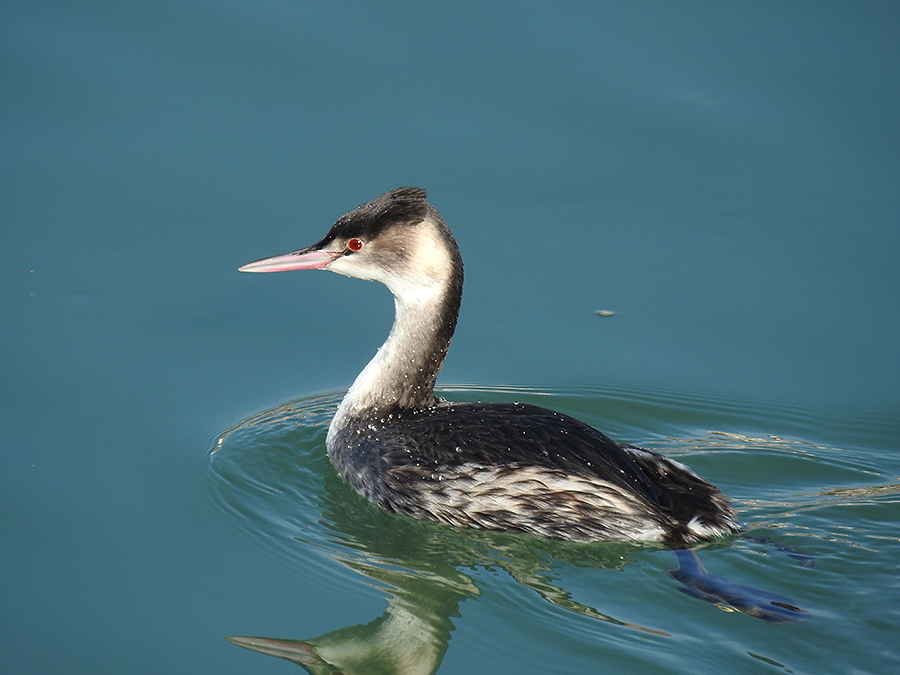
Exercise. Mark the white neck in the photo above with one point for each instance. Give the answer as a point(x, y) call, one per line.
point(402, 368)
point(403, 372)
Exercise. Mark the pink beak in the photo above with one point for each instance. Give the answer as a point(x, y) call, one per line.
point(298, 260)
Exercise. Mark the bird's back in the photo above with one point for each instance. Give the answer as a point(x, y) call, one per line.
point(522, 467)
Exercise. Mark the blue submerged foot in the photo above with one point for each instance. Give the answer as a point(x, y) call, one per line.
point(697, 582)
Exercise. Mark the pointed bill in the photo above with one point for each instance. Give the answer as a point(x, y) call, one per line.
point(298, 260)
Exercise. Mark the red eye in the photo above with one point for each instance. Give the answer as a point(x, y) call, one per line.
point(354, 244)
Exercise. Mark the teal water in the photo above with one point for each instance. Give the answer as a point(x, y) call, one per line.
point(722, 178)
point(557, 607)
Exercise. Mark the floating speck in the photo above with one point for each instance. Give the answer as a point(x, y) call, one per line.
point(604, 312)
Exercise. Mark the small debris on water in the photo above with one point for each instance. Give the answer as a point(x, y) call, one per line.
point(604, 312)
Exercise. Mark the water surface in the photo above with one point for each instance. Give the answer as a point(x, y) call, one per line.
point(720, 177)
point(815, 517)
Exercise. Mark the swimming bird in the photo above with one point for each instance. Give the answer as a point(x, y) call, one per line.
point(480, 465)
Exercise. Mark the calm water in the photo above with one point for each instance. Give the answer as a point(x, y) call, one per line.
point(556, 607)
point(722, 178)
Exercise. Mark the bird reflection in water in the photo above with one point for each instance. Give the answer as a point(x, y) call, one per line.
point(413, 634)
point(419, 564)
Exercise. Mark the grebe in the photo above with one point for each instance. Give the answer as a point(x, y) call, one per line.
point(481, 465)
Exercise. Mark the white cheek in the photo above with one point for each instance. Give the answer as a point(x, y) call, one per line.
point(349, 267)
point(432, 260)
point(426, 277)
point(422, 278)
